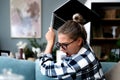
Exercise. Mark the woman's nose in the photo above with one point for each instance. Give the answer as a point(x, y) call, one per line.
point(61, 49)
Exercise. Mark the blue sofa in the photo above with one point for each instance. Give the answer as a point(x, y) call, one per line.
point(30, 70)
point(20, 67)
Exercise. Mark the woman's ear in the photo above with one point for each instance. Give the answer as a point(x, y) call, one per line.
point(80, 41)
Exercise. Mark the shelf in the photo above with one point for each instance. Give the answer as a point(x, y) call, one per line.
point(105, 4)
point(109, 19)
point(105, 39)
point(102, 39)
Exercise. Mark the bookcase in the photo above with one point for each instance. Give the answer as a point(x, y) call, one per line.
point(105, 32)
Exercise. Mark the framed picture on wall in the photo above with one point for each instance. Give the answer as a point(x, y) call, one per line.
point(25, 18)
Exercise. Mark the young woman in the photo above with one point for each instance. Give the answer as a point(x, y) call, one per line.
point(80, 62)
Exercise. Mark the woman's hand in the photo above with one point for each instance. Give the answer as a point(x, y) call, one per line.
point(50, 37)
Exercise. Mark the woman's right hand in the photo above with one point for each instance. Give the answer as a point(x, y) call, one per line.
point(50, 37)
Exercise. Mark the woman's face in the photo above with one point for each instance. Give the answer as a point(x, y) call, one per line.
point(67, 45)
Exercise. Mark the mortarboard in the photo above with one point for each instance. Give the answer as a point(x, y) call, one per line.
point(67, 10)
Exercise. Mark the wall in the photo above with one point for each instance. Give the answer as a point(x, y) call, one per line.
point(8, 43)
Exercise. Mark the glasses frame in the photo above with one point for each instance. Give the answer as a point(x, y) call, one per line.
point(63, 45)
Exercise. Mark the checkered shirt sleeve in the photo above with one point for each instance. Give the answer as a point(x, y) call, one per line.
point(82, 66)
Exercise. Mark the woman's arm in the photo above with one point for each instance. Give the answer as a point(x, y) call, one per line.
point(50, 37)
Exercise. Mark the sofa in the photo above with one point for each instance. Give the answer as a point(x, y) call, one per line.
point(19, 67)
point(30, 70)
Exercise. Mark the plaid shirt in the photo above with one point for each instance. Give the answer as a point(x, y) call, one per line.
point(82, 66)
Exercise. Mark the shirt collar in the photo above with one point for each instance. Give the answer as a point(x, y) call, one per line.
point(82, 50)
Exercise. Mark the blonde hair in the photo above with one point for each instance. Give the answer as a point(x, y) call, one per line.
point(78, 18)
point(73, 30)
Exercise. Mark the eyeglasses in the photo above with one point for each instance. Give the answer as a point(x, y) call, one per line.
point(63, 45)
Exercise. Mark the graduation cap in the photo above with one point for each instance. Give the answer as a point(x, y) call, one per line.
point(67, 10)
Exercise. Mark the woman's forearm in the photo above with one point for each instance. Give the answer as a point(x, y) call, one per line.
point(49, 48)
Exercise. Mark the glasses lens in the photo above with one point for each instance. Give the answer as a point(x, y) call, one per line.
point(58, 45)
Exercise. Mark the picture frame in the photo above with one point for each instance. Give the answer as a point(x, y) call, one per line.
point(25, 18)
point(4, 53)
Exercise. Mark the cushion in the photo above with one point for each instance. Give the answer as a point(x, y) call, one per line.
point(106, 66)
point(113, 73)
